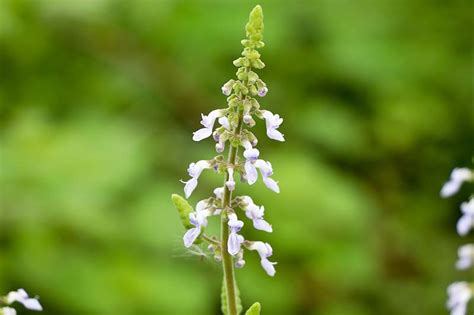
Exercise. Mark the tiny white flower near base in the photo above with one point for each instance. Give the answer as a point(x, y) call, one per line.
point(466, 222)
point(264, 250)
point(457, 178)
point(465, 256)
point(7, 311)
point(22, 297)
point(208, 123)
point(459, 294)
point(273, 122)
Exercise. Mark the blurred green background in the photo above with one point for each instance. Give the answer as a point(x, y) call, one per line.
point(99, 99)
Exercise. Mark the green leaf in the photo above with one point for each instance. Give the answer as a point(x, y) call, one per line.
point(184, 209)
point(254, 309)
point(224, 299)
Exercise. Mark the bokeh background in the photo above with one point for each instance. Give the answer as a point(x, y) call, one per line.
point(99, 99)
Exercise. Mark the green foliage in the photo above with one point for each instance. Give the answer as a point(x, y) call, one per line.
point(183, 208)
point(224, 299)
point(254, 309)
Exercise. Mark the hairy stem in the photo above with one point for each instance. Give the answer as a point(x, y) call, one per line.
point(227, 261)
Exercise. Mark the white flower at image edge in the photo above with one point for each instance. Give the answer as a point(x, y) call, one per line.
point(466, 222)
point(465, 256)
point(22, 297)
point(457, 178)
point(459, 294)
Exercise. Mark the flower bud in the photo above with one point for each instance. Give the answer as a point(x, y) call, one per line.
point(184, 209)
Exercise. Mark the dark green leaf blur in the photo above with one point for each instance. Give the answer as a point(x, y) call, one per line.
point(98, 102)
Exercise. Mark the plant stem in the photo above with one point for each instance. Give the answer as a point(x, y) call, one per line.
point(227, 261)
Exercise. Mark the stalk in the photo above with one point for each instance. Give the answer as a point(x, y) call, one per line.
point(227, 261)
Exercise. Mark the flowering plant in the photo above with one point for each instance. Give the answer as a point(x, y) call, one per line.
point(459, 293)
point(21, 297)
point(233, 132)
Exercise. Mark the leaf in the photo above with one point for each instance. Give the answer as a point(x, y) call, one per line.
point(224, 299)
point(184, 209)
point(254, 309)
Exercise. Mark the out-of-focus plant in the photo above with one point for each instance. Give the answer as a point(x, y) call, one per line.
point(234, 120)
point(19, 296)
point(461, 292)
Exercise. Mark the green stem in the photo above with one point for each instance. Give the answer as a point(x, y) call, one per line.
point(227, 261)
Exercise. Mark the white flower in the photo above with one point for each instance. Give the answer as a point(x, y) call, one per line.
point(7, 311)
point(272, 123)
point(458, 176)
point(219, 193)
point(255, 213)
point(266, 170)
point(22, 297)
point(239, 259)
point(466, 222)
point(199, 220)
point(265, 251)
point(459, 294)
point(208, 123)
point(194, 170)
point(230, 183)
point(263, 91)
point(251, 155)
point(224, 122)
point(465, 256)
point(227, 87)
point(235, 240)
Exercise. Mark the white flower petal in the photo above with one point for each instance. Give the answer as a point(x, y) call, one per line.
point(189, 187)
point(271, 184)
point(268, 266)
point(275, 135)
point(190, 236)
point(464, 225)
point(234, 243)
point(251, 172)
point(32, 304)
point(262, 225)
point(202, 133)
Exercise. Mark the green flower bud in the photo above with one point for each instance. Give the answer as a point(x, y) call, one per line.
point(251, 54)
point(184, 209)
point(254, 309)
point(253, 90)
point(258, 64)
point(238, 62)
point(241, 74)
point(256, 19)
point(252, 77)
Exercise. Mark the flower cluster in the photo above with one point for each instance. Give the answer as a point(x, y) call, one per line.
point(229, 128)
point(19, 296)
point(459, 293)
